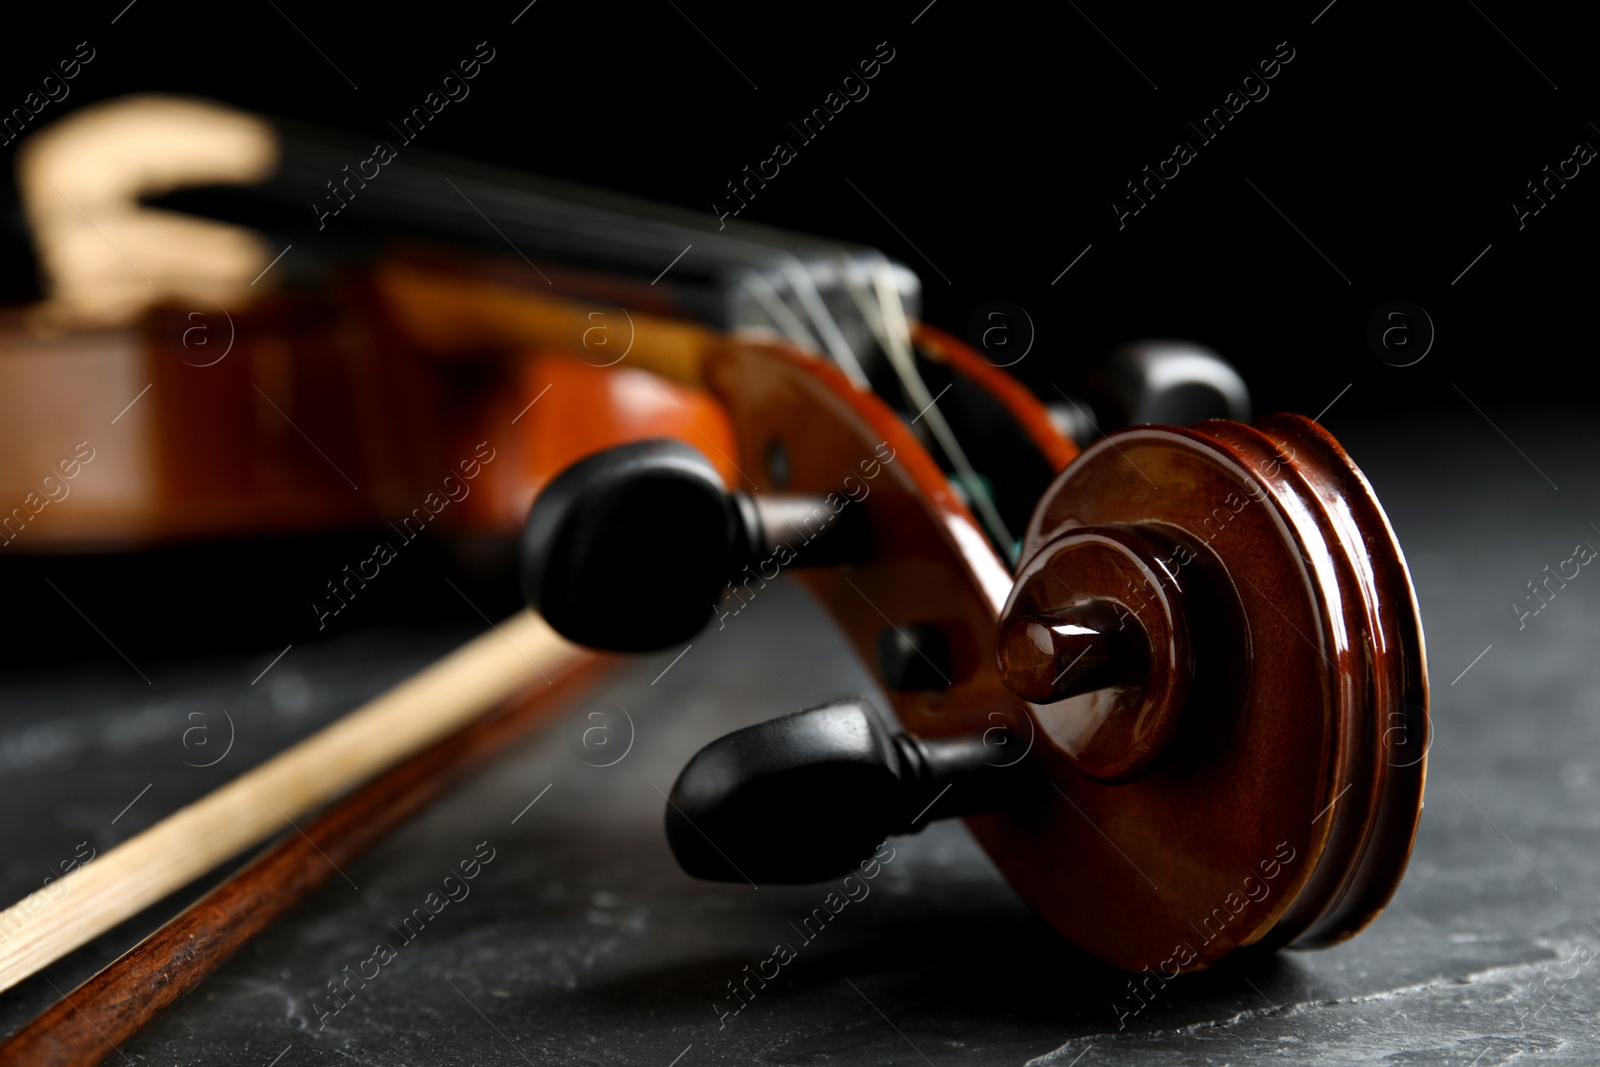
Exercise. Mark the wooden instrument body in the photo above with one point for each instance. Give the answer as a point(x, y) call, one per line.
point(1288, 814)
point(315, 411)
point(1287, 811)
point(1220, 849)
point(1257, 785)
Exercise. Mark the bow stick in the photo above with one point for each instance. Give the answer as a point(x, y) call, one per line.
point(262, 802)
point(88, 1024)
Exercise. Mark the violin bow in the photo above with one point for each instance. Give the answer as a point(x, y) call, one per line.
point(89, 1023)
point(423, 710)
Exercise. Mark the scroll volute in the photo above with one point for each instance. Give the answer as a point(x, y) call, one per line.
point(1210, 651)
point(1210, 648)
point(1217, 632)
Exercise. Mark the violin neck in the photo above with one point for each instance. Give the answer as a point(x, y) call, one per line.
point(340, 201)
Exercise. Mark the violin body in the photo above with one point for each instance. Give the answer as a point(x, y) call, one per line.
point(313, 411)
point(1172, 676)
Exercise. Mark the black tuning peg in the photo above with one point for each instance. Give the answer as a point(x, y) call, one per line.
point(630, 548)
point(1168, 383)
point(807, 796)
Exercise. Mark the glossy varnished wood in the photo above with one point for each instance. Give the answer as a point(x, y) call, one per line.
point(930, 566)
point(1275, 813)
point(1308, 694)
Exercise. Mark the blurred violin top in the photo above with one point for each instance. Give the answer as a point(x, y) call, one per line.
point(247, 328)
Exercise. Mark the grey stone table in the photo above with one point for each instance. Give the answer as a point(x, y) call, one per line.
point(580, 942)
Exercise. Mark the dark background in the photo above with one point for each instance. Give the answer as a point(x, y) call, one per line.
point(995, 140)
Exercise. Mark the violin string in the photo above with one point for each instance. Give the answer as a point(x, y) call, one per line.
point(757, 256)
point(897, 338)
point(816, 309)
point(760, 256)
point(823, 337)
point(889, 325)
point(897, 345)
point(864, 301)
point(783, 319)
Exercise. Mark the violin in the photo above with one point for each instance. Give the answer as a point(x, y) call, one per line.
point(1171, 674)
point(1187, 723)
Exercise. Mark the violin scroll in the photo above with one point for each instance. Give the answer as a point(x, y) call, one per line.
point(1098, 611)
point(1254, 570)
point(1204, 658)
